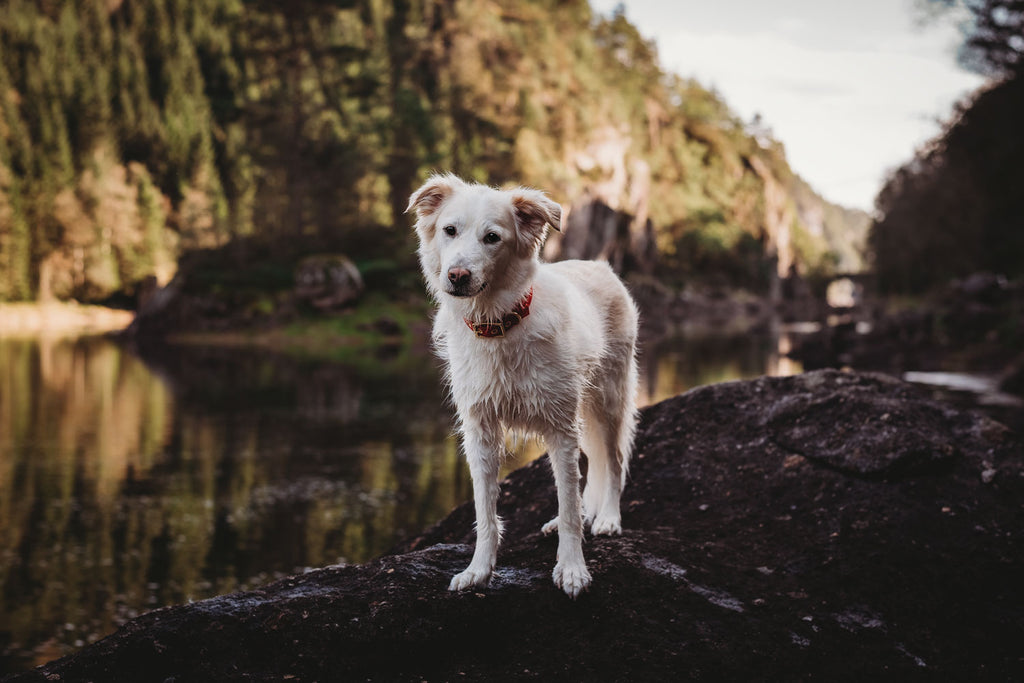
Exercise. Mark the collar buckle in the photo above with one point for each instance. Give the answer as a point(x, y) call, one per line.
point(487, 330)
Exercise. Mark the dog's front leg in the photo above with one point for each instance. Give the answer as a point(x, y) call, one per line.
point(570, 573)
point(483, 444)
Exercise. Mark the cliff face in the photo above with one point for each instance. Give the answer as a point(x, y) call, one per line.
point(830, 525)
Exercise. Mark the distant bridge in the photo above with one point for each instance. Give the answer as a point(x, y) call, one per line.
point(846, 290)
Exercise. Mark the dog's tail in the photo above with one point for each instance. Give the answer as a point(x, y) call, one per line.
point(631, 415)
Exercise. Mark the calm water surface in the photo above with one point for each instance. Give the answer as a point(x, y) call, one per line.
point(128, 484)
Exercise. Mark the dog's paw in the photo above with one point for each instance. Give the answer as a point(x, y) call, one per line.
point(550, 528)
point(606, 526)
point(469, 579)
point(573, 579)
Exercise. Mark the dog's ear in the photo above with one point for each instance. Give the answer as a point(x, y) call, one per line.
point(534, 212)
point(426, 200)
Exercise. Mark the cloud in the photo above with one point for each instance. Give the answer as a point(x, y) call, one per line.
point(845, 116)
point(811, 89)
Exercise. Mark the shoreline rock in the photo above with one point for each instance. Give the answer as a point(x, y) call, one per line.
point(837, 526)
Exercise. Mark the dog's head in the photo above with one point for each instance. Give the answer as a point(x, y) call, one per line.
point(474, 238)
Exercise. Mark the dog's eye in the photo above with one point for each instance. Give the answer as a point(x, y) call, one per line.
point(492, 238)
point(449, 230)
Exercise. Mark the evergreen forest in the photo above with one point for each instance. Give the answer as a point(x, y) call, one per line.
point(133, 132)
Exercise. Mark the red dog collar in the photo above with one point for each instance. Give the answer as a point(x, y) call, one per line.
point(498, 328)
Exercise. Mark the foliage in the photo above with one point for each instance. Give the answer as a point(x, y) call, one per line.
point(956, 208)
point(993, 33)
point(133, 131)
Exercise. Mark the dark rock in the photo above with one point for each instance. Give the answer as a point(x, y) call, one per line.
point(894, 435)
point(594, 230)
point(828, 526)
point(328, 282)
point(1013, 378)
point(983, 286)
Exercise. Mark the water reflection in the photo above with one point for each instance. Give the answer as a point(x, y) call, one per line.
point(128, 484)
point(705, 356)
point(74, 418)
point(125, 486)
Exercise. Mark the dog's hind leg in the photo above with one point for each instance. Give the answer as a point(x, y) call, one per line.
point(595, 447)
point(609, 425)
point(609, 428)
point(595, 442)
point(483, 444)
point(588, 508)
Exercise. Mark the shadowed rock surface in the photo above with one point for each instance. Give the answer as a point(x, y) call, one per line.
point(828, 526)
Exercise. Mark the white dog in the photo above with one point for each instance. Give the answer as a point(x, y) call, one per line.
point(543, 348)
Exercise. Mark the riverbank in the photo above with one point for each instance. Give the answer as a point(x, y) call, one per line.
point(60, 318)
point(967, 337)
point(374, 329)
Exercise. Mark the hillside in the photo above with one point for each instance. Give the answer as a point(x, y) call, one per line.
point(132, 132)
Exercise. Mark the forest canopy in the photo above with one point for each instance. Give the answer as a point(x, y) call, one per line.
point(132, 132)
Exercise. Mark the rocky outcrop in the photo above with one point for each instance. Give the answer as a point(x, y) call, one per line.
point(595, 231)
point(328, 282)
point(830, 526)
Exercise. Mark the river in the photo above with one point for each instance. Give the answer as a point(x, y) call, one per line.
point(130, 483)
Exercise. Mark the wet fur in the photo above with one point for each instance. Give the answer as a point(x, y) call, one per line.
point(566, 373)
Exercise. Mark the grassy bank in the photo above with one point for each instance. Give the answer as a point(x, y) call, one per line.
point(376, 329)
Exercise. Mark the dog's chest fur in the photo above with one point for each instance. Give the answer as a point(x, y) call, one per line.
point(524, 381)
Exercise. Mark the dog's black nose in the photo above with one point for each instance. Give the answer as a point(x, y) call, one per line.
point(459, 277)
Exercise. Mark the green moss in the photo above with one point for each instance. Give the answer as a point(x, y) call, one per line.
point(378, 330)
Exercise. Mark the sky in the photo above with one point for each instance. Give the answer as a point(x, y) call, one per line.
point(850, 87)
